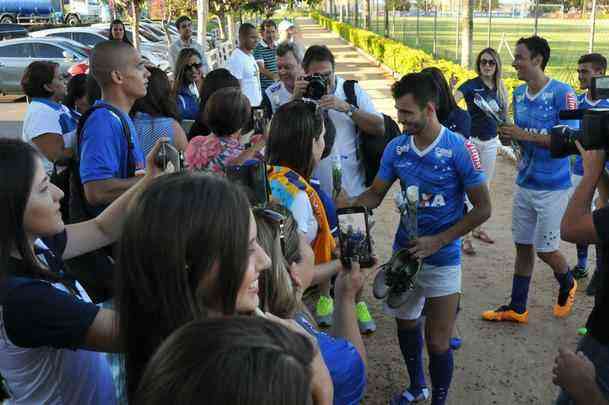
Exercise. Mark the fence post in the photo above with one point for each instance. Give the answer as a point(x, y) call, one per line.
point(418, 12)
point(387, 33)
point(592, 27)
point(457, 37)
point(490, 18)
point(435, 31)
point(536, 17)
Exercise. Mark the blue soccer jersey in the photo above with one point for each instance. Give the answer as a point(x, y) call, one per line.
point(442, 172)
point(537, 115)
point(584, 103)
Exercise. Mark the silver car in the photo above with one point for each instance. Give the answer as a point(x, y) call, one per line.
point(17, 54)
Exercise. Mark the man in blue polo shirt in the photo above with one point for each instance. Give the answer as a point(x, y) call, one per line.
point(111, 161)
point(541, 191)
point(588, 66)
point(445, 167)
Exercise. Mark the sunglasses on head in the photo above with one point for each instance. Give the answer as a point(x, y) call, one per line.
point(276, 219)
point(195, 66)
point(489, 62)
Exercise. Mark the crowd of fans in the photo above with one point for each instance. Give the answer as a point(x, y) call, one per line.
point(178, 274)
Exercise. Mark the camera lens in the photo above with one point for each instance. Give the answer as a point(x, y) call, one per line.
point(562, 141)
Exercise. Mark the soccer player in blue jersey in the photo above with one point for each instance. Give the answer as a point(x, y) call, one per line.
point(541, 191)
point(445, 167)
point(588, 66)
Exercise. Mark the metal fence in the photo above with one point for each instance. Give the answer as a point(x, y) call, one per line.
point(437, 30)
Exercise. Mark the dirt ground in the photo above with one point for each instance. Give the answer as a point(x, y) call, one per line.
point(498, 363)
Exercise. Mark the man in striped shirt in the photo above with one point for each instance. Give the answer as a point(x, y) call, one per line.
point(266, 50)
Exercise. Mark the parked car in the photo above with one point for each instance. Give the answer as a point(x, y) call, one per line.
point(17, 54)
point(11, 31)
point(91, 36)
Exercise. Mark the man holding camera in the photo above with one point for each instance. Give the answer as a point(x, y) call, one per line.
point(580, 225)
point(540, 194)
point(588, 66)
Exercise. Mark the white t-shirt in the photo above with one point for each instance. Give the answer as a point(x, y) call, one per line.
point(244, 67)
point(346, 146)
point(302, 211)
point(278, 95)
point(42, 117)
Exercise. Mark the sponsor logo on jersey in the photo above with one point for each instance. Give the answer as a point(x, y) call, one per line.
point(571, 101)
point(473, 154)
point(432, 201)
point(402, 149)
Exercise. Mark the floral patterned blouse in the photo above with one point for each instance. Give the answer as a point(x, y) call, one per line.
point(212, 153)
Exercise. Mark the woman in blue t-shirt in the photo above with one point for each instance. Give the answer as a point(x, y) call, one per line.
point(488, 84)
point(187, 83)
point(281, 290)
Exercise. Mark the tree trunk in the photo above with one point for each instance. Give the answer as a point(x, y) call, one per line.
point(136, 24)
point(230, 28)
point(202, 12)
point(367, 12)
point(467, 33)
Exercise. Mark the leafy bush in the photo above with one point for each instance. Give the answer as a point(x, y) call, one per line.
point(397, 56)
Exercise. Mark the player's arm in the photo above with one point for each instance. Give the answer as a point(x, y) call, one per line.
point(371, 198)
point(479, 197)
point(518, 134)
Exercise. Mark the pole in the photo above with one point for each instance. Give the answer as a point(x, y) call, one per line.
point(592, 27)
point(458, 30)
point(490, 18)
point(418, 12)
point(535, 30)
point(435, 31)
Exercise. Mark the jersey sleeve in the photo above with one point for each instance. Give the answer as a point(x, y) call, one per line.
point(465, 88)
point(42, 120)
point(387, 172)
point(101, 146)
point(303, 214)
point(567, 100)
point(463, 123)
point(468, 164)
point(37, 314)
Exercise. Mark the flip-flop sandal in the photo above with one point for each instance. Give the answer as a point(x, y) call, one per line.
point(481, 235)
point(468, 248)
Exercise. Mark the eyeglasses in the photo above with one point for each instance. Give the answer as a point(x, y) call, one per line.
point(195, 66)
point(488, 62)
point(277, 219)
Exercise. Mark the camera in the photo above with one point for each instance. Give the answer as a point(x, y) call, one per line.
point(594, 130)
point(317, 88)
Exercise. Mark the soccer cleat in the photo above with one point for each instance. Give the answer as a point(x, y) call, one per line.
point(593, 284)
point(505, 313)
point(580, 272)
point(364, 319)
point(406, 397)
point(324, 310)
point(561, 311)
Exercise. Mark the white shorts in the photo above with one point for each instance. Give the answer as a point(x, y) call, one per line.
point(536, 216)
point(432, 281)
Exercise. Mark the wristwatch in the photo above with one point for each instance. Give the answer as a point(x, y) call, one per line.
point(352, 109)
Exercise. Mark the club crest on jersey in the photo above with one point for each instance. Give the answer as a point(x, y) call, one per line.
point(442, 152)
point(431, 201)
point(571, 101)
point(473, 154)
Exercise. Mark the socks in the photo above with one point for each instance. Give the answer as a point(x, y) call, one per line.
point(441, 372)
point(520, 293)
point(582, 256)
point(411, 345)
point(566, 283)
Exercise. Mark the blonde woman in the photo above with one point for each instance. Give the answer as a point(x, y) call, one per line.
point(488, 84)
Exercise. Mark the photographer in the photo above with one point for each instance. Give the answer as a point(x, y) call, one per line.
point(580, 225)
point(348, 120)
point(588, 66)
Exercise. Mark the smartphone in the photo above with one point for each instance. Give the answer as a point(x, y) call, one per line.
point(252, 177)
point(259, 121)
point(169, 158)
point(354, 236)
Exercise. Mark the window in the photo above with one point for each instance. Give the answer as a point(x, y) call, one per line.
point(62, 35)
point(15, 51)
point(47, 51)
point(87, 38)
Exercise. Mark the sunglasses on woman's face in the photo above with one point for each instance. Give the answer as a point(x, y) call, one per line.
point(276, 219)
point(488, 62)
point(195, 66)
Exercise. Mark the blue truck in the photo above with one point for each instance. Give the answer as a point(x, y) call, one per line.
point(71, 12)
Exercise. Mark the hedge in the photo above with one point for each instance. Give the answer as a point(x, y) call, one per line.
point(397, 56)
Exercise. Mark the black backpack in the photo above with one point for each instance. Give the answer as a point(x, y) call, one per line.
point(371, 146)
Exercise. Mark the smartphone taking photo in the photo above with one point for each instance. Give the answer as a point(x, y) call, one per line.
point(252, 177)
point(354, 236)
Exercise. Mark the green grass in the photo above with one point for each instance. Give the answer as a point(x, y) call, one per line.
point(568, 38)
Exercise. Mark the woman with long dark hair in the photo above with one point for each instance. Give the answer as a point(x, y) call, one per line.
point(187, 83)
point(50, 329)
point(155, 115)
point(117, 32)
point(281, 291)
point(76, 98)
point(215, 80)
point(188, 251)
point(195, 363)
point(489, 85)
